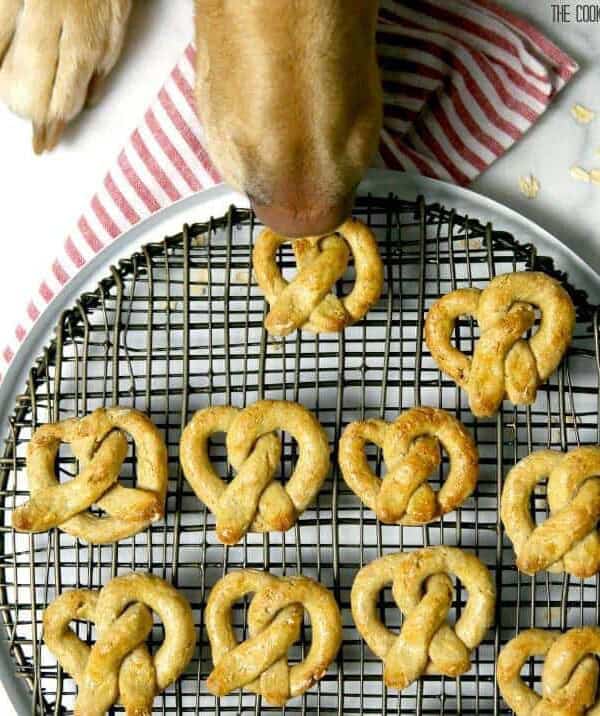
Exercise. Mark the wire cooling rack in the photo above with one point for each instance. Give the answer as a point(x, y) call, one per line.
point(179, 326)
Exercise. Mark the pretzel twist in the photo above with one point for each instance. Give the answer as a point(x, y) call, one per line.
point(306, 302)
point(275, 616)
point(569, 676)
point(98, 442)
point(252, 500)
point(411, 448)
point(568, 541)
point(119, 667)
point(427, 644)
point(503, 364)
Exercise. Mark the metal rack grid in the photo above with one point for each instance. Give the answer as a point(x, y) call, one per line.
point(179, 326)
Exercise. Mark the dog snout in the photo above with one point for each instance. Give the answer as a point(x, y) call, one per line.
point(312, 220)
point(291, 104)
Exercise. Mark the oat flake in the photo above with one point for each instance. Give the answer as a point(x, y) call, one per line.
point(579, 173)
point(529, 186)
point(582, 114)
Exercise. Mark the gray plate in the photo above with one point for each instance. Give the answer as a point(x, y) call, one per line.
point(215, 202)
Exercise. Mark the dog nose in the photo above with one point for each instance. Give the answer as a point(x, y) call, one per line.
point(313, 221)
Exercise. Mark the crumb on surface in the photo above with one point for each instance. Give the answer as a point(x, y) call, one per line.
point(472, 244)
point(582, 114)
point(242, 276)
point(529, 186)
point(595, 176)
point(198, 280)
point(275, 343)
point(200, 240)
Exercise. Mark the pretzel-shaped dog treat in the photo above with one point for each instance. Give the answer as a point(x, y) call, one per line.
point(253, 500)
point(411, 448)
point(569, 676)
point(427, 644)
point(259, 664)
point(306, 302)
point(97, 440)
point(568, 541)
point(503, 364)
point(119, 666)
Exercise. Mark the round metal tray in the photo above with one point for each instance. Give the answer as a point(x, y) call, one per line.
point(214, 348)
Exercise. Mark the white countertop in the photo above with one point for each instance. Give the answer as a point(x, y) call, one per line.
point(53, 189)
point(44, 195)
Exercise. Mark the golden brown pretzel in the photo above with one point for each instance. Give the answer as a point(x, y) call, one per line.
point(119, 667)
point(426, 643)
point(503, 364)
point(306, 302)
point(252, 500)
point(411, 448)
point(97, 440)
point(569, 676)
point(259, 664)
point(568, 541)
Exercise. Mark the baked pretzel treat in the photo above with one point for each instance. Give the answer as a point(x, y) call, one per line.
point(427, 644)
point(98, 442)
point(568, 541)
point(503, 363)
point(569, 676)
point(306, 302)
point(411, 449)
point(274, 619)
point(119, 667)
point(253, 501)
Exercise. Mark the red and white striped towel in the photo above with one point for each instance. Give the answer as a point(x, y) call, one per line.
point(463, 80)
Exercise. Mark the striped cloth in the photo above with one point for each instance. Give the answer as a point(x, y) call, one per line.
point(463, 80)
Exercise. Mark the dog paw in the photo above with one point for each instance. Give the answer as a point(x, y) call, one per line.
point(54, 56)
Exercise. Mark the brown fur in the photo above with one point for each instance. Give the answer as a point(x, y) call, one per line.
point(290, 97)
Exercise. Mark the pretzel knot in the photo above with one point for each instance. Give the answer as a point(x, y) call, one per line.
point(427, 644)
point(503, 363)
point(98, 442)
point(568, 541)
point(119, 667)
point(411, 448)
point(274, 617)
point(252, 500)
point(569, 676)
point(306, 302)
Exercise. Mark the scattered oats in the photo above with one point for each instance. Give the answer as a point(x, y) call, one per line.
point(200, 240)
point(161, 306)
point(582, 114)
point(241, 276)
point(198, 279)
point(175, 305)
point(529, 186)
point(579, 173)
point(595, 176)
